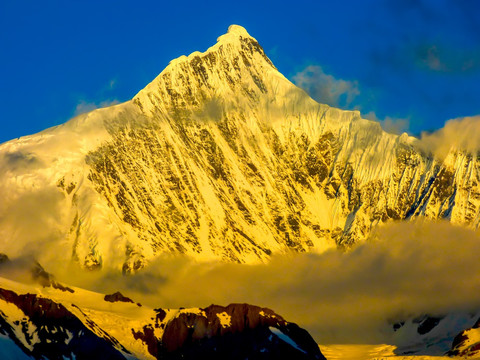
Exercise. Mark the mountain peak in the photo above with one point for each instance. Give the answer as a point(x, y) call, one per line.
point(235, 66)
point(234, 33)
point(238, 30)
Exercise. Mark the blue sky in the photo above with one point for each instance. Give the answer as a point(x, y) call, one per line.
point(415, 63)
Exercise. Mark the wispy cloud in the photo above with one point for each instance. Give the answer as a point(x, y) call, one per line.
point(325, 88)
point(84, 106)
point(430, 58)
point(389, 124)
point(112, 84)
point(448, 59)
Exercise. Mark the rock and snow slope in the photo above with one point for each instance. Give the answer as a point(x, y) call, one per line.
point(421, 338)
point(220, 157)
point(467, 342)
point(431, 335)
point(44, 322)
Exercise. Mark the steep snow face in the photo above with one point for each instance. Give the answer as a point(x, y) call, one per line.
point(220, 157)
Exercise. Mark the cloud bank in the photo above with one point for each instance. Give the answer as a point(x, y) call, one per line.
point(404, 270)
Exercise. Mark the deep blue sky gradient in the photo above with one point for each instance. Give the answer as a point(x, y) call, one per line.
point(413, 59)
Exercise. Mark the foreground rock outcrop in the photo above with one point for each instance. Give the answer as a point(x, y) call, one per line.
point(43, 328)
point(237, 331)
point(81, 325)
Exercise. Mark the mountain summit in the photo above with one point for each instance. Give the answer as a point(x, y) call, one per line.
point(219, 157)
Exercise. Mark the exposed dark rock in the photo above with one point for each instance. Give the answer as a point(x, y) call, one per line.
point(58, 332)
point(3, 258)
point(398, 325)
point(160, 314)
point(476, 325)
point(238, 331)
point(117, 297)
point(428, 324)
point(148, 337)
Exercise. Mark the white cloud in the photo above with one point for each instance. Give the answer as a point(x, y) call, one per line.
point(326, 89)
point(460, 134)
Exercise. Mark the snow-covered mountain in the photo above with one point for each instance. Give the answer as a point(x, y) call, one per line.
point(219, 157)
